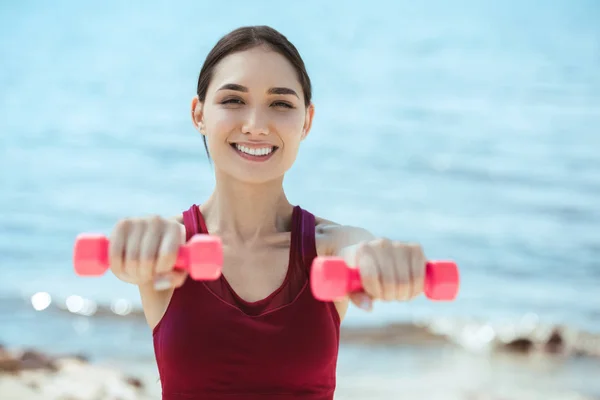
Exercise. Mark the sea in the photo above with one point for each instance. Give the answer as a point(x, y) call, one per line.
point(470, 127)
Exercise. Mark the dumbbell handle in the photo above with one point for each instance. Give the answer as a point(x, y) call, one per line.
point(354, 281)
point(183, 258)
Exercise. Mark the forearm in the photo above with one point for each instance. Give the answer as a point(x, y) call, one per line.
point(349, 238)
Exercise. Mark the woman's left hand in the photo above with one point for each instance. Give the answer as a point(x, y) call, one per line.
point(389, 270)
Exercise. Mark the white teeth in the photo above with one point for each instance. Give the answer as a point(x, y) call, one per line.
point(254, 152)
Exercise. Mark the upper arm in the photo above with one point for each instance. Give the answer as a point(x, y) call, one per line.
point(331, 239)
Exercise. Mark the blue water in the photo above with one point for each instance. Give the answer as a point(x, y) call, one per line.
point(473, 129)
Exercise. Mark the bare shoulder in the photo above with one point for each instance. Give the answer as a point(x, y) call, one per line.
point(332, 236)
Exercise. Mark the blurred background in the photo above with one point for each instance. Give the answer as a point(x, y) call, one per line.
point(471, 127)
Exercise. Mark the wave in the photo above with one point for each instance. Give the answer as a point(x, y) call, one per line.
point(524, 335)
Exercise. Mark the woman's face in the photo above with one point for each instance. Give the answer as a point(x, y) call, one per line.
point(254, 115)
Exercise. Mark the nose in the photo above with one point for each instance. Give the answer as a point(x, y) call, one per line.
point(256, 123)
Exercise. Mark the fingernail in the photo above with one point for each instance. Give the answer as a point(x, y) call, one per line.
point(162, 283)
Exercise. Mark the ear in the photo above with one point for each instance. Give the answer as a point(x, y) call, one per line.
point(308, 119)
point(197, 112)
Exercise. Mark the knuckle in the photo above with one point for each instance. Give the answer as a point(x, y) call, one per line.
point(140, 225)
point(416, 249)
point(418, 275)
point(123, 223)
point(120, 228)
point(410, 246)
point(382, 243)
point(369, 279)
point(362, 249)
point(400, 246)
point(115, 247)
point(170, 243)
point(155, 221)
point(174, 228)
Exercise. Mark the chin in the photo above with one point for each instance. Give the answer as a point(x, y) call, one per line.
point(255, 179)
point(252, 174)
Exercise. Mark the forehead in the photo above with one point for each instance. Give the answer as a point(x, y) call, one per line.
point(256, 68)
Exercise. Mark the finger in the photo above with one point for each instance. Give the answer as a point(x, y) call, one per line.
point(386, 267)
point(362, 300)
point(418, 265)
point(149, 249)
point(178, 278)
point(403, 271)
point(169, 280)
point(116, 249)
point(369, 273)
point(169, 247)
point(132, 249)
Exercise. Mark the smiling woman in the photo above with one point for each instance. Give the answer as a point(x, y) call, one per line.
point(257, 330)
point(256, 102)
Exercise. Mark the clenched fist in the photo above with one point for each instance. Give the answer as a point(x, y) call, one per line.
point(144, 251)
point(389, 270)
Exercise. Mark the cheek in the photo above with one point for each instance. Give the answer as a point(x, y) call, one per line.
point(290, 126)
point(221, 122)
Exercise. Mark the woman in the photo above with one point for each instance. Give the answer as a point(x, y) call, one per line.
point(256, 332)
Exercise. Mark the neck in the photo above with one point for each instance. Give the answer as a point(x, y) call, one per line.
point(247, 211)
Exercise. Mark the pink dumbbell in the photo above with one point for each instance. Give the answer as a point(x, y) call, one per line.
point(331, 278)
point(202, 256)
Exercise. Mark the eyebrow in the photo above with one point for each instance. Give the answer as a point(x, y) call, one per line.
point(273, 90)
point(282, 90)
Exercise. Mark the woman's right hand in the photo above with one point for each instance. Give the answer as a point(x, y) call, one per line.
point(143, 251)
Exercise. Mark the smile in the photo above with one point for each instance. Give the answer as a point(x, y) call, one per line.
point(261, 153)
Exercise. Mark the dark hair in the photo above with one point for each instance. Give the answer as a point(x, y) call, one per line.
point(245, 38)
